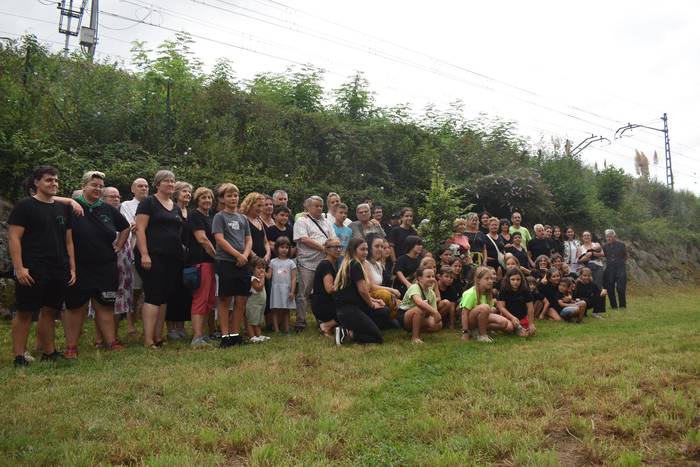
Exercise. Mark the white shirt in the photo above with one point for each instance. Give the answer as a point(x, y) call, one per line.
point(305, 227)
point(128, 210)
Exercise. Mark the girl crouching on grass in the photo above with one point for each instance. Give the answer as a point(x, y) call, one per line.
point(515, 303)
point(537, 297)
point(570, 308)
point(418, 310)
point(255, 306)
point(283, 279)
point(478, 313)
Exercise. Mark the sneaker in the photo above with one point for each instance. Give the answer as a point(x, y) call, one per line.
point(215, 336)
point(299, 329)
point(159, 344)
point(225, 342)
point(21, 361)
point(71, 352)
point(52, 357)
point(236, 340)
point(200, 342)
point(596, 315)
point(340, 334)
point(182, 334)
point(264, 338)
point(174, 335)
point(28, 356)
point(484, 339)
point(474, 333)
point(255, 340)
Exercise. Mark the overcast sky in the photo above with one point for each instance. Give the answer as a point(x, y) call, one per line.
point(555, 68)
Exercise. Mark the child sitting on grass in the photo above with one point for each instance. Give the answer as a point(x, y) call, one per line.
point(477, 310)
point(449, 295)
point(255, 306)
point(418, 310)
point(514, 302)
point(537, 297)
point(568, 307)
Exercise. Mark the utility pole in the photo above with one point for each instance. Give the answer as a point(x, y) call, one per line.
point(67, 14)
point(667, 144)
point(88, 36)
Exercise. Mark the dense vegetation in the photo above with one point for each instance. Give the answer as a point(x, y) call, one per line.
point(283, 130)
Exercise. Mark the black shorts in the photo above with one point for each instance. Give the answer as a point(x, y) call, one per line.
point(75, 297)
point(160, 281)
point(234, 281)
point(48, 291)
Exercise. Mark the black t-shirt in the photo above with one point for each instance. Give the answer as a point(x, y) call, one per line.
point(477, 240)
point(259, 239)
point(491, 249)
point(397, 237)
point(94, 234)
point(349, 295)
point(198, 221)
point(408, 266)
point(552, 294)
point(44, 238)
point(273, 233)
point(386, 227)
point(516, 301)
point(164, 231)
point(451, 293)
point(557, 246)
point(615, 253)
point(587, 291)
point(521, 255)
point(319, 293)
point(539, 246)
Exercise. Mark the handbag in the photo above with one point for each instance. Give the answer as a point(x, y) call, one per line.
point(191, 277)
point(501, 256)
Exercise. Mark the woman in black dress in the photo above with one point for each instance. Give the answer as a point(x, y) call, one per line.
point(252, 207)
point(180, 302)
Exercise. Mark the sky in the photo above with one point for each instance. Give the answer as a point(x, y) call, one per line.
point(557, 69)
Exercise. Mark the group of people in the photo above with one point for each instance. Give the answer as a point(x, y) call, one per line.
point(230, 265)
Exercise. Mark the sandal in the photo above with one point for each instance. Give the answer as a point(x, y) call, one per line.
point(99, 345)
point(71, 352)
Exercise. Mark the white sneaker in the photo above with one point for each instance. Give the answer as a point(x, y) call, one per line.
point(484, 339)
point(254, 339)
point(28, 357)
point(263, 338)
point(596, 315)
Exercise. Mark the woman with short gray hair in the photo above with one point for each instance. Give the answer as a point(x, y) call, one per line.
point(159, 254)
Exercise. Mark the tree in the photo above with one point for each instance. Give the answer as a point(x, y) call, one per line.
point(611, 185)
point(353, 99)
point(441, 208)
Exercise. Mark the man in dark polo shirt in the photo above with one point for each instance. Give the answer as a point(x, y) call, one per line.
point(41, 248)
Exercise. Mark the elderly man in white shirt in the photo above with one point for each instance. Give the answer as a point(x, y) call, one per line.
point(310, 233)
point(129, 280)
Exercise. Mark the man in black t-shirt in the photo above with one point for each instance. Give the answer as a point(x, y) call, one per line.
point(41, 248)
point(539, 245)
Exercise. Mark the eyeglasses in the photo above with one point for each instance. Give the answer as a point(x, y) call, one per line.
point(335, 247)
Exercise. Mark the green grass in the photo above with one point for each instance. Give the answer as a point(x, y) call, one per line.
point(621, 391)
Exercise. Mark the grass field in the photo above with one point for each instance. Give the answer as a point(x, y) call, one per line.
point(620, 391)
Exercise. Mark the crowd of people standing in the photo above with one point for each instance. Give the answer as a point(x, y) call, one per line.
point(237, 266)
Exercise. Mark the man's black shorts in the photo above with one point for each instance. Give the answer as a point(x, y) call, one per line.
point(48, 291)
point(234, 281)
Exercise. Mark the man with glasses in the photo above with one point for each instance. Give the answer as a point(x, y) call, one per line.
point(111, 196)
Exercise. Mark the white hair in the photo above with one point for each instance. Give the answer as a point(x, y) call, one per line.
point(610, 232)
point(538, 227)
point(362, 206)
point(308, 201)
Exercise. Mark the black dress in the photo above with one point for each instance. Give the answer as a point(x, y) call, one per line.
point(259, 239)
point(180, 302)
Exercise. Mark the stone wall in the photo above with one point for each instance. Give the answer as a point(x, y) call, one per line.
point(670, 263)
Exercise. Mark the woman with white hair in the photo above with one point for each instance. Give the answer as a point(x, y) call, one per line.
point(615, 274)
point(159, 254)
